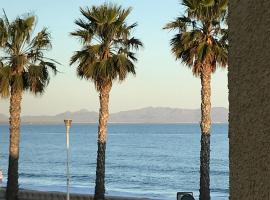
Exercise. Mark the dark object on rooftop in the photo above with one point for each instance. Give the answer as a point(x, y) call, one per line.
point(185, 196)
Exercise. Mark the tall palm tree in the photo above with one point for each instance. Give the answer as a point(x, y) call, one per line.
point(25, 68)
point(107, 55)
point(202, 44)
point(3, 38)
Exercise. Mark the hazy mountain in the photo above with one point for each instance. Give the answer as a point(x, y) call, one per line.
point(167, 115)
point(144, 115)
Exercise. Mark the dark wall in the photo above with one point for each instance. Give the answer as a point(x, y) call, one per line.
point(249, 97)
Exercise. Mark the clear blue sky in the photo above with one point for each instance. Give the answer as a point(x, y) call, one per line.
point(160, 80)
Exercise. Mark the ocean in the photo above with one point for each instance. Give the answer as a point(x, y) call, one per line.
point(142, 160)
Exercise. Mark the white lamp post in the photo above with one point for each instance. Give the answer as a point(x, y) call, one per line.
point(68, 125)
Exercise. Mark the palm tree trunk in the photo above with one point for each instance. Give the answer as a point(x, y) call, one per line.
point(14, 122)
point(205, 134)
point(102, 132)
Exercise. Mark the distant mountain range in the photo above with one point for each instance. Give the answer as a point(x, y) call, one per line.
point(143, 115)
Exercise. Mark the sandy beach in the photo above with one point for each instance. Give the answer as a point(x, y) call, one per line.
point(38, 195)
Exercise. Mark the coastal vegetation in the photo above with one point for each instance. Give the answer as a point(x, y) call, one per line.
point(106, 56)
point(24, 68)
point(202, 44)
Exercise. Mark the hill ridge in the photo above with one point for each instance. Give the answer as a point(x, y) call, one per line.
point(142, 115)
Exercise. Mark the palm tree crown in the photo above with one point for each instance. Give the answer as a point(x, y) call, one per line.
point(107, 52)
point(202, 40)
point(23, 64)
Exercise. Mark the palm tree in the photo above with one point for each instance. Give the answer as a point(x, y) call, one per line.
point(25, 68)
point(3, 38)
point(106, 56)
point(202, 44)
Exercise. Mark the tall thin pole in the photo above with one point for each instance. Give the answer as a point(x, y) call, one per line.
point(68, 125)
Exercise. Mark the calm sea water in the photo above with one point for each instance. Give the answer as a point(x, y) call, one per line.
point(154, 161)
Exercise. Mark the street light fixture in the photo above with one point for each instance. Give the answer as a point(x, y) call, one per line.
point(68, 125)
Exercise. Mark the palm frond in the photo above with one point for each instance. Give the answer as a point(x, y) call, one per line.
point(208, 3)
point(5, 75)
point(107, 51)
point(37, 78)
point(24, 66)
point(42, 40)
point(202, 39)
point(3, 32)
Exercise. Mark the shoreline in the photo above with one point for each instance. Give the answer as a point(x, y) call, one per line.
point(116, 123)
point(26, 194)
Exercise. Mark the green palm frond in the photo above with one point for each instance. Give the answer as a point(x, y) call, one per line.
point(3, 33)
point(202, 37)
point(130, 27)
point(49, 66)
point(206, 10)
point(20, 31)
point(38, 78)
point(107, 52)
point(86, 31)
point(124, 14)
point(24, 65)
point(42, 40)
point(208, 3)
point(134, 43)
point(223, 5)
point(5, 77)
point(191, 4)
point(5, 18)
